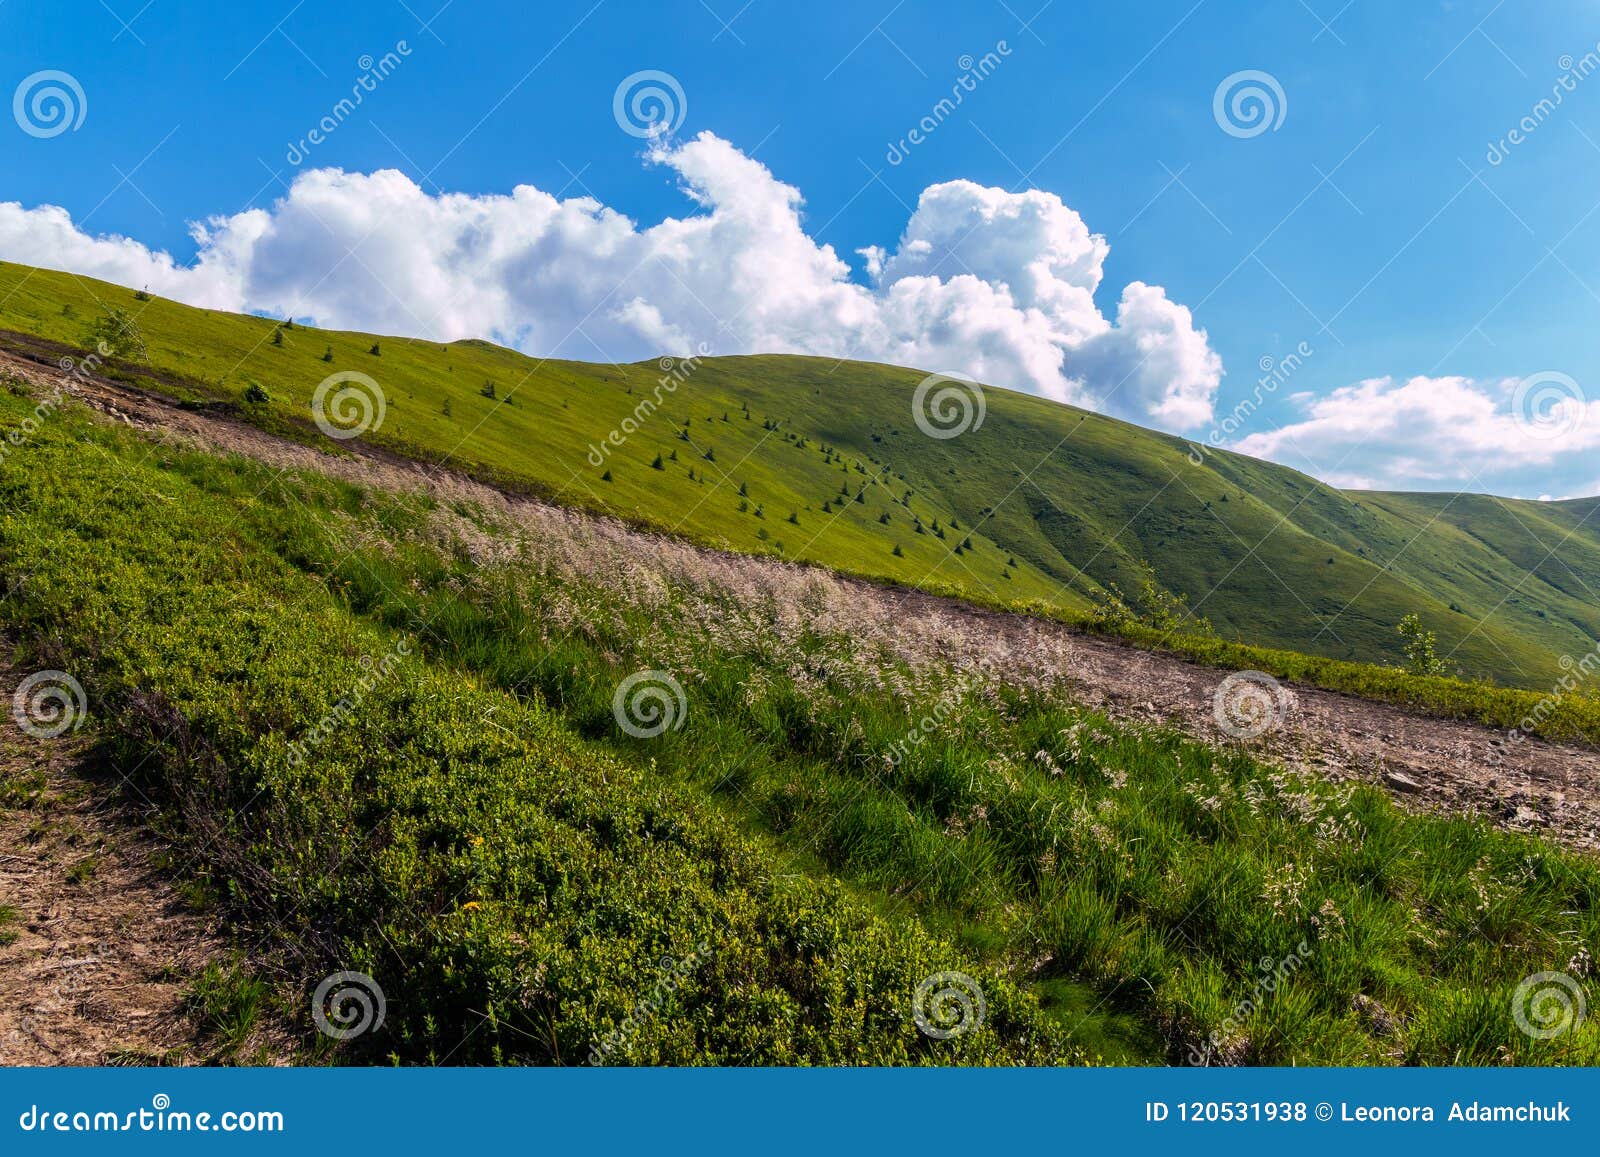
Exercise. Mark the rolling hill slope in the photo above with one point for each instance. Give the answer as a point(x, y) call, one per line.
point(823, 461)
point(573, 794)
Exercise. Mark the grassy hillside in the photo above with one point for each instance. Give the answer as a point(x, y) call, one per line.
point(822, 461)
point(383, 731)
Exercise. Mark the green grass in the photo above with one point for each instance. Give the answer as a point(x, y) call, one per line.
point(1075, 500)
point(8, 917)
point(474, 830)
point(228, 1003)
point(84, 870)
point(512, 887)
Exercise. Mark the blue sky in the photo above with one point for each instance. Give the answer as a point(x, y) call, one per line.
point(1370, 224)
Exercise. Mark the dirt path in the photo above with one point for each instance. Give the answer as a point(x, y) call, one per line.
point(97, 950)
point(1434, 764)
point(1428, 763)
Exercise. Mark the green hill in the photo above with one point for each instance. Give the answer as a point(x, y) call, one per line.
point(822, 461)
point(571, 795)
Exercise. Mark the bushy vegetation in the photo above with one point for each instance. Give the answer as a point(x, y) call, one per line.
point(843, 794)
point(513, 889)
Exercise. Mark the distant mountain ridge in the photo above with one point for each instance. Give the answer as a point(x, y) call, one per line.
point(826, 462)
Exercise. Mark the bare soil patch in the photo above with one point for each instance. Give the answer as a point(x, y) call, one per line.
point(98, 950)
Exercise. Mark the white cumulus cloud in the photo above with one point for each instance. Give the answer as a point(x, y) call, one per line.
point(998, 286)
point(1434, 433)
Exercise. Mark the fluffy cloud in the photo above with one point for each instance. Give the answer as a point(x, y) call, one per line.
point(998, 286)
point(1438, 433)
